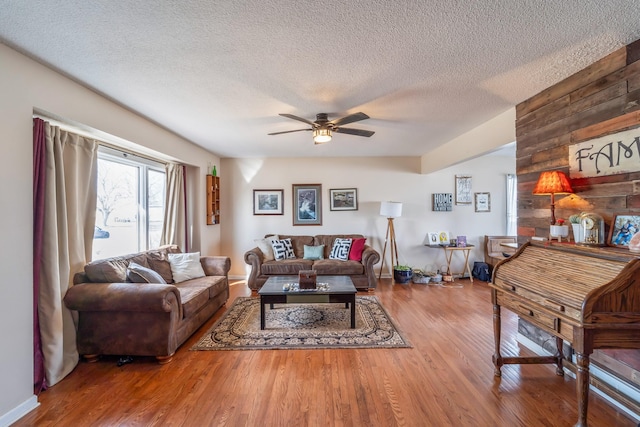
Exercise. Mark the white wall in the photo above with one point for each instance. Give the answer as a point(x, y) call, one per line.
point(377, 179)
point(24, 86)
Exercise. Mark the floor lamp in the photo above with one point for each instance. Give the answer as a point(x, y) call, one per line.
point(390, 210)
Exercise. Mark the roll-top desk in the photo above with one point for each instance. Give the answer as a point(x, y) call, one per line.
point(589, 297)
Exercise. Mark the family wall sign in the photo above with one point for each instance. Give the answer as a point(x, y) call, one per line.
point(606, 155)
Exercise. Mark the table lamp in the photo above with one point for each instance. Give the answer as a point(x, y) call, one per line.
point(552, 183)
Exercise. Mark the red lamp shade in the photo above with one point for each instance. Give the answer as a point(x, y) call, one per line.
point(552, 182)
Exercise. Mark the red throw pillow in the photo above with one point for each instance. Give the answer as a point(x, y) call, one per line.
point(357, 246)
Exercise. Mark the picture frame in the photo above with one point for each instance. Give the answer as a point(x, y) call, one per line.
point(482, 202)
point(463, 190)
point(343, 199)
point(307, 204)
point(443, 238)
point(432, 238)
point(623, 227)
point(268, 202)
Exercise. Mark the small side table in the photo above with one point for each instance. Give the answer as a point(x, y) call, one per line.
point(448, 253)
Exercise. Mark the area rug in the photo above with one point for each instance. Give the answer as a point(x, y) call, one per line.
point(302, 326)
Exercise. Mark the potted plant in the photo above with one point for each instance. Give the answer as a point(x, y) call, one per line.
point(574, 220)
point(402, 273)
point(559, 230)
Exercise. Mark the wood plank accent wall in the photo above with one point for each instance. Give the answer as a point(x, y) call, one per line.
point(602, 99)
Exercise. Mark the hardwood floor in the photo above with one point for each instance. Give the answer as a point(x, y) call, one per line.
point(446, 379)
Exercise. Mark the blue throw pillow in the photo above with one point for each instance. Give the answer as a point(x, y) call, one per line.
point(313, 252)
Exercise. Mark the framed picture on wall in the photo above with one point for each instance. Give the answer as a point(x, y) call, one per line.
point(463, 190)
point(483, 202)
point(343, 199)
point(307, 204)
point(268, 202)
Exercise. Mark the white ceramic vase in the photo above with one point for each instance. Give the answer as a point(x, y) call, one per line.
point(578, 235)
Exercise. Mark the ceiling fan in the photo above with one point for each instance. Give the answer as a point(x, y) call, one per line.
point(323, 128)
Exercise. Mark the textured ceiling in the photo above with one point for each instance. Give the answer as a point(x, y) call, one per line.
point(219, 72)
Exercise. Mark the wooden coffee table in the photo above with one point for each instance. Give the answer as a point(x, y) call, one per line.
point(341, 290)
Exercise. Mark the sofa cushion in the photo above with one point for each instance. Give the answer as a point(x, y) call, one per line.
point(282, 249)
point(357, 246)
point(139, 274)
point(313, 252)
point(340, 249)
point(298, 243)
point(287, 266)
point(194, 294)
point(159, 262)
point(265, 246)
point(114, 269)
point(337, 267)
point(185, 266)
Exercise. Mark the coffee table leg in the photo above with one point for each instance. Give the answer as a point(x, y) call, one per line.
point(353, 313)
point(261, 314)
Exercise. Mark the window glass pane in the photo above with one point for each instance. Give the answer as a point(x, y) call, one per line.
point(130, 205)
point(155, 192)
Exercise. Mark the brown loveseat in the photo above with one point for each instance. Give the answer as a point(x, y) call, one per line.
point(361, 272)
point(116, 317)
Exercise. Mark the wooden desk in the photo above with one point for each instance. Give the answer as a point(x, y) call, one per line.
point(589, 297)
point(448, 254)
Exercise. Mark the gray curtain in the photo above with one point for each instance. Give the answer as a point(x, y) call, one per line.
point(69, 218)
point(174, 231)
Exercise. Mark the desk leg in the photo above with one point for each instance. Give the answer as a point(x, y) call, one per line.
point(466, 262)
point(582, 387)
point(497, 358)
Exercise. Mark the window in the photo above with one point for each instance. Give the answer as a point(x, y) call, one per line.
point(512, 205)
point(130, 205)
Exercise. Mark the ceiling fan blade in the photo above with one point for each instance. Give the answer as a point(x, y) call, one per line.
point(351, 131)
point(356, 117)
point(287, 131)
point(300, 119)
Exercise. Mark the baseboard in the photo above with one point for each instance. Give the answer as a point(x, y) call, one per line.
point(603, 384)
point(19, 411)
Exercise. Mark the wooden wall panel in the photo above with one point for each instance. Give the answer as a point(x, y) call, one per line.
point(602, 99)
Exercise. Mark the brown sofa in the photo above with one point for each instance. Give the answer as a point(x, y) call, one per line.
point(361, 272)
point(116, 317)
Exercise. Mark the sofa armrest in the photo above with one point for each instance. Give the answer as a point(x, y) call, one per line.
point(370, 257)
point(254, 257)
point(215, 265)
point(140, 297)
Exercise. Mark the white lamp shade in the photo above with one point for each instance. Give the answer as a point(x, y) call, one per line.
point(391, 209)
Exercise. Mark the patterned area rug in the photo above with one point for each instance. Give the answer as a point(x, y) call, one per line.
point(296, 326)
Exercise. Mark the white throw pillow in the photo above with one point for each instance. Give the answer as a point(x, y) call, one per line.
point(340, 249)
point(283, 249)
point(265, 246)
point(185, 266)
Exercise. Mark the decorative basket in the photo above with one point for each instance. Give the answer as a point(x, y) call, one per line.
point(421, 279)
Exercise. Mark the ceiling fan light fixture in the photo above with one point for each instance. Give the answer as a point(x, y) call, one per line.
point(320, 135)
